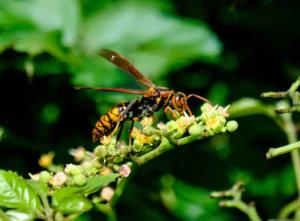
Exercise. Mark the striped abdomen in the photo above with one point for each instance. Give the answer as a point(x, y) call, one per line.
point(107, 123)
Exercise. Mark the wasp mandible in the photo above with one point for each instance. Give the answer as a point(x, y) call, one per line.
point(153, 99)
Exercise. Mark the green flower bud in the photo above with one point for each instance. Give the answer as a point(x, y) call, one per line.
point(178, 133)
point(231, 125)
point(101, 151)
point(196, 130)
point(79, 180)
point(148, 130)
point(45, 176)
point(72, 169)
point(137, 147)
point(171, 126)
point(118, 159)
point(206, 107)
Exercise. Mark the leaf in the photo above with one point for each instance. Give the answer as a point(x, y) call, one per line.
point(93, 184)
point(38, 26)
point(16, 193)
point(15, 215)
point(189, 203)
point(40, 188)
point(250, 106)
point(155, 44)
point(74, 204)
point(65, 193)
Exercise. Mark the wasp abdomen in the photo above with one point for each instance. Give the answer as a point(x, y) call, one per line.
point(107, 123)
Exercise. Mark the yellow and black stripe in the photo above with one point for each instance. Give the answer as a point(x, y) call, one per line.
point(107, 123)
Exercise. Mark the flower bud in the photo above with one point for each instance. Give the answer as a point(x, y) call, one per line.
point(73, 169)
point(46, 160)
point(59, 179)
point(206, 107)
point(125, 170)
point(78, 153)
point(79, 180)
point(35, 177)
point(196, 130)
point(101, 151)
point(147, 121)
point(105, 171)
point(137, 146)
point(117, 159)
point(178, 133)
point(107, 193)
point(231, 125)
point(171, 126)
point(148, 130)
point(45, 176)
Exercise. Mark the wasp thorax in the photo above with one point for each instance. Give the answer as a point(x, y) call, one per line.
point(180, 99)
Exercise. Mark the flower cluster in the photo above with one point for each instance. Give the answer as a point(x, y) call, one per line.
point(146, 142)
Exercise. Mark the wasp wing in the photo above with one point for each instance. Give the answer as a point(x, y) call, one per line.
point(125, 65)
point(122, 90)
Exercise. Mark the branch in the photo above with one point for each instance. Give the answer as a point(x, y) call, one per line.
point(235, 201)
point(291, 93)
point(274, 152)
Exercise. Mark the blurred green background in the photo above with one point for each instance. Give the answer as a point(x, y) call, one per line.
point(223, 50)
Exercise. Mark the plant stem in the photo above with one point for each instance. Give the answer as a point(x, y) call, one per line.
point(294, 86)
point(108, 211)
point(236, 202)
point(248, 209)
point(274, 152)
point(291, 134)
point(47, 208)
point(288, 209)
point(3, 216)
point(272, 94)
point(163, 147)
point(118, 191)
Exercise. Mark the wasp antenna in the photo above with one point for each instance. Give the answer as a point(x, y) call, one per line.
point(199, 97)
point(83, 88)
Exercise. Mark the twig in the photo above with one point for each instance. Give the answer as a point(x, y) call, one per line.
point(236, 202)
point(274, 152)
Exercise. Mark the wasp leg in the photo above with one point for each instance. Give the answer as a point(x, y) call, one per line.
point(124, 117)
point(173, 113)
point(130, 105)
point(120, 131)
point(189, 110)
point(130, 130)
point(199, 97)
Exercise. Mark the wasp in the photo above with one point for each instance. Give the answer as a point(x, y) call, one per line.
point(153, 99)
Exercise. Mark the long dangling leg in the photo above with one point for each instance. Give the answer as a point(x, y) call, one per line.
point(123, 117)
point(168, 109)
point(120, 131)
point(199, 97)
point(130, 130)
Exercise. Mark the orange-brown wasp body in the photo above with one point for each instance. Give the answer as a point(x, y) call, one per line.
point(153, 99)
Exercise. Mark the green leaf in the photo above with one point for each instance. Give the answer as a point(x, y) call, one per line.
point(16, 193)
point(15, 215)
point(38, 26)
point(93, 184)
point(75, 204)
point(250, 106)
point(156, 43)
point(65, 193)
point(40, 188)
point(189, 203)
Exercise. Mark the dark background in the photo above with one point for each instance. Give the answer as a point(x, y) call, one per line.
point(223, 50)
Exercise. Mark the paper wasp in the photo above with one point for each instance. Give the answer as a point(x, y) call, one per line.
point(154, 99)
